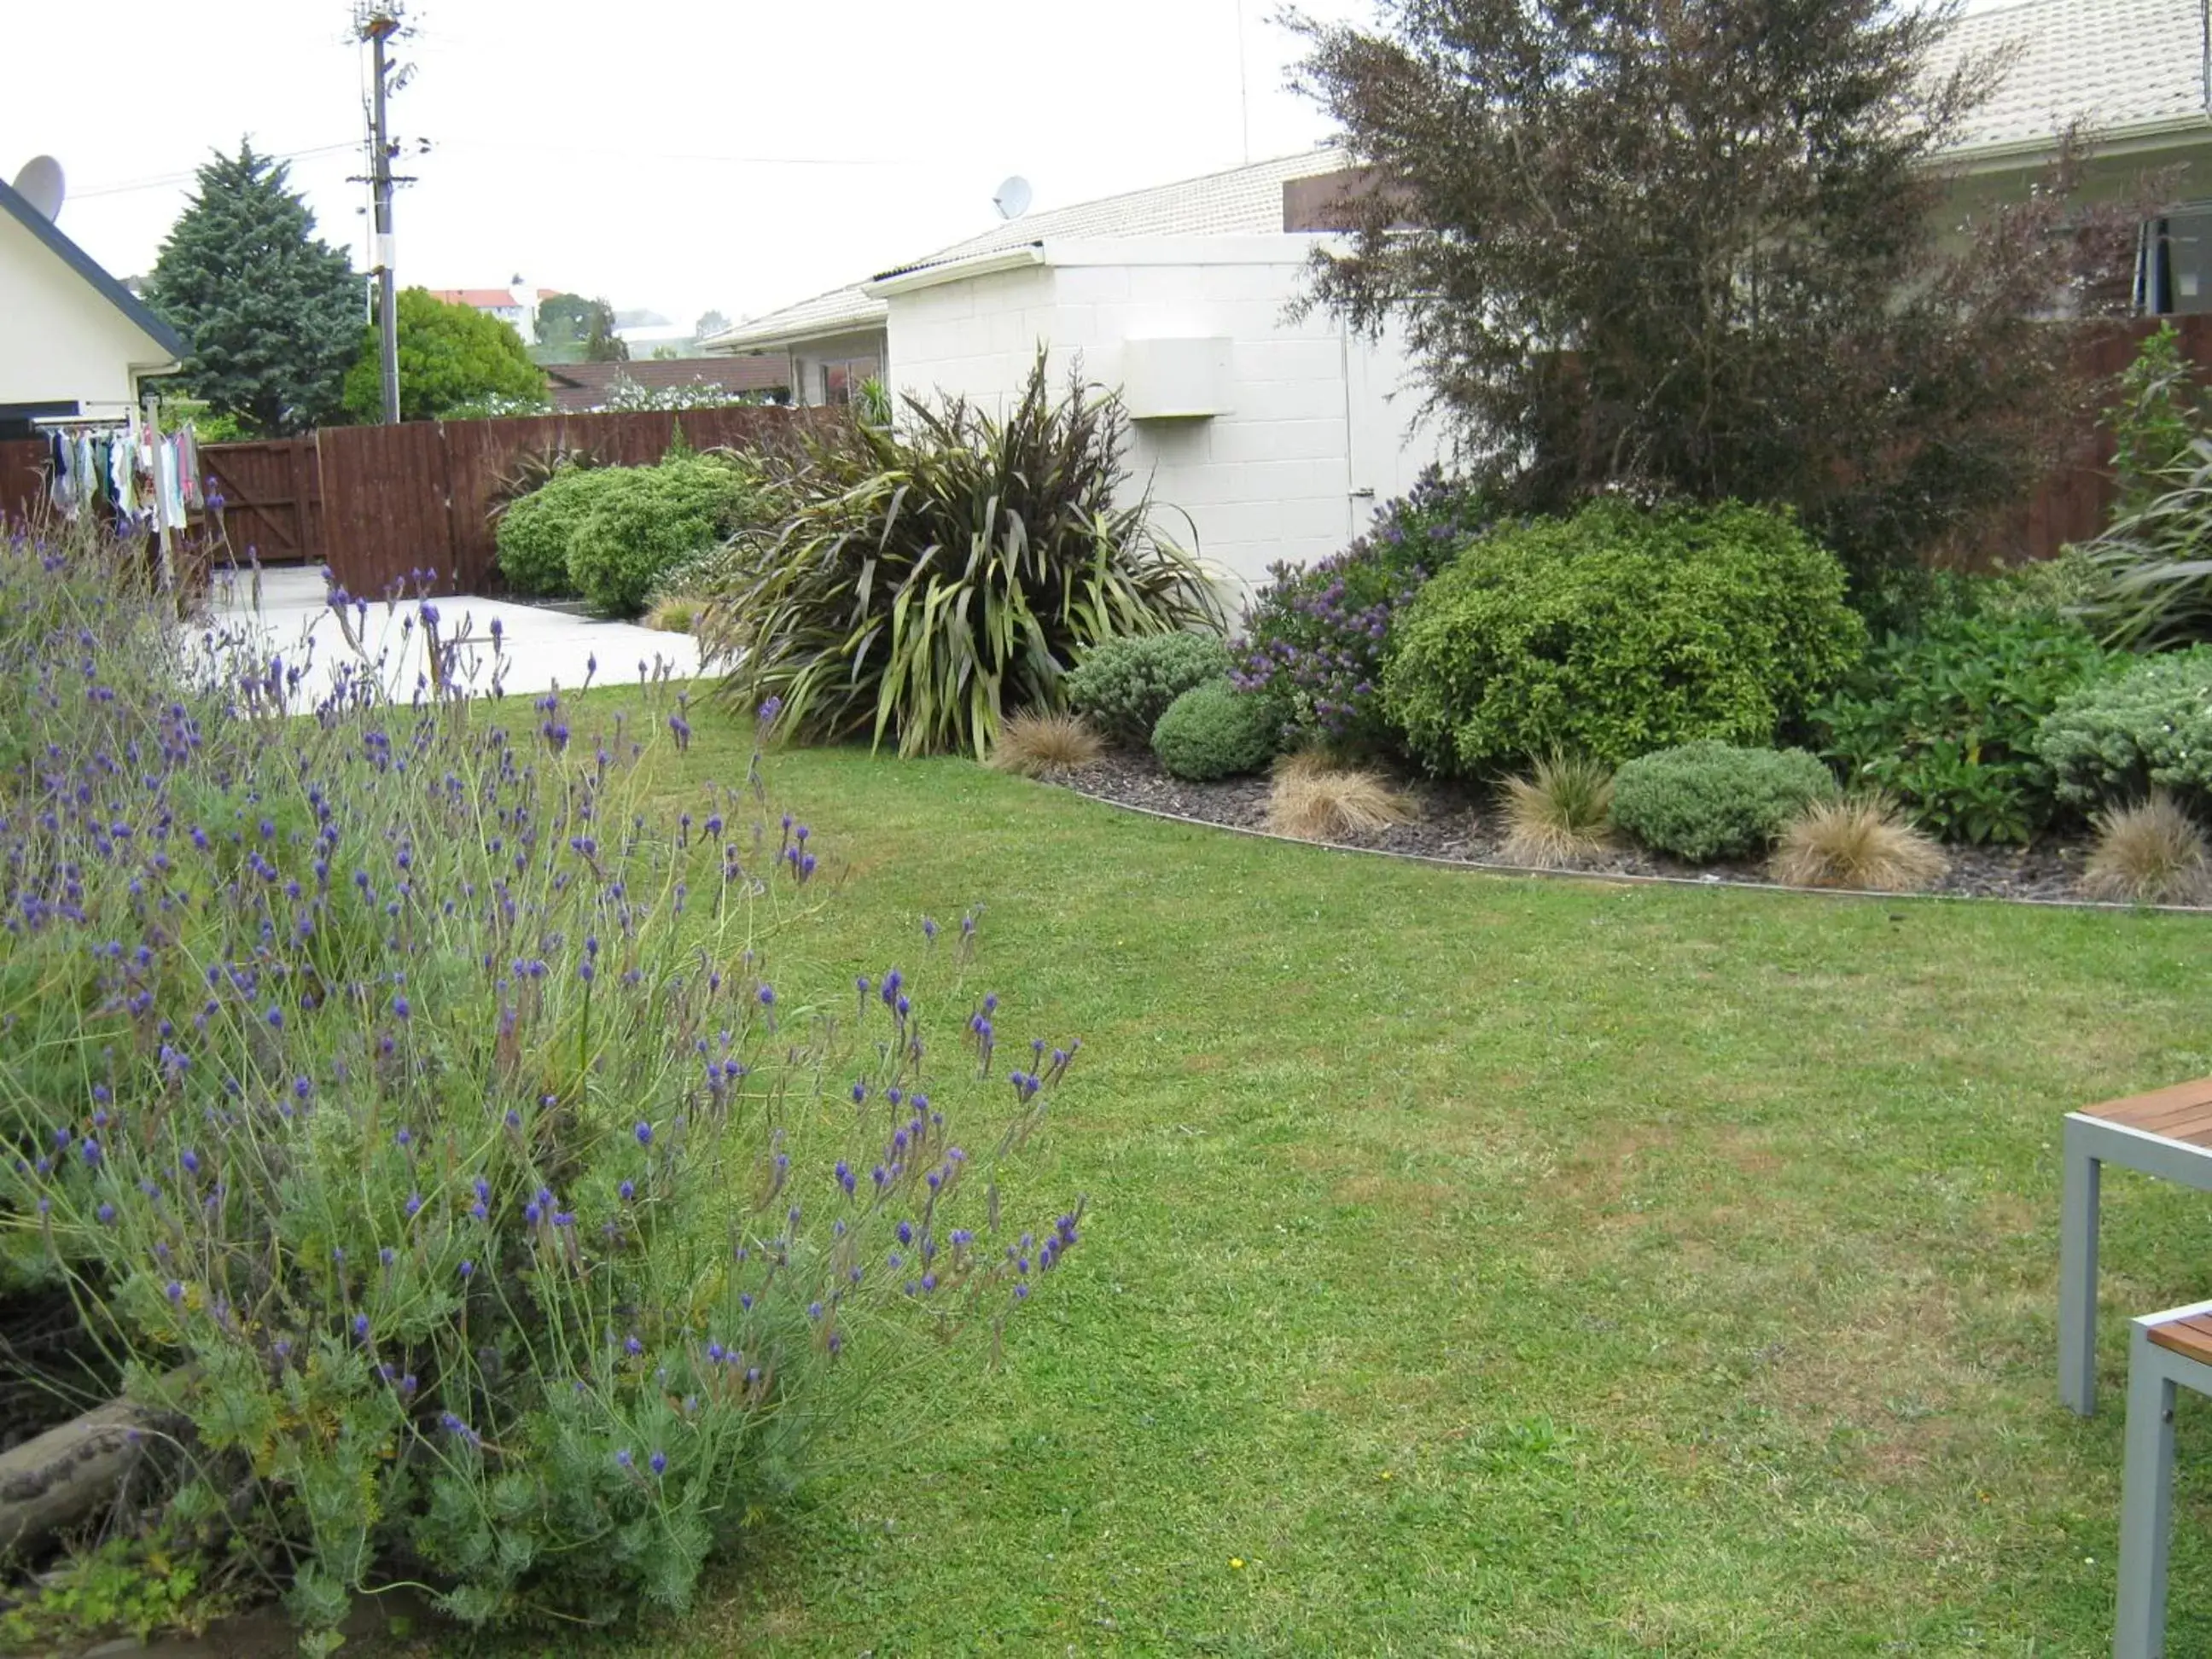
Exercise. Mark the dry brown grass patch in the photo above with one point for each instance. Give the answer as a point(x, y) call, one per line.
point(1860, 843)
point(1313, 801)
point(1558, 815)
point(1037, 741)
point(2149, 853)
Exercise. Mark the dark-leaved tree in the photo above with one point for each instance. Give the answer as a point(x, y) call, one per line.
point(1709, 248)
point(272, 313)
point(571, 329)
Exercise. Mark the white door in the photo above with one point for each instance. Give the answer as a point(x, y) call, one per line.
point(1391, 443)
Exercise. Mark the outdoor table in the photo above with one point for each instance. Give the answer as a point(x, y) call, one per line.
point(2168, 1351)
point(2167, 1132)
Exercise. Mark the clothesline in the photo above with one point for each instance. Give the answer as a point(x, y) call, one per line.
point(149, 479)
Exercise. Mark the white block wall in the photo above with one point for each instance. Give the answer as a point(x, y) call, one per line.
point(1274, 477)
point(60, 338)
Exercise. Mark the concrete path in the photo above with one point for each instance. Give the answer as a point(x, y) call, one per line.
point(524, 649)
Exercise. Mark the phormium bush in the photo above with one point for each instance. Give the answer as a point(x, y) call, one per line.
point(418, 1103)
point(1618, 631)
point(1315, 639)
point(1708, 800)
point(1944, 722)
point(2112, 741)
point(1215, 731)
point(1123, 686)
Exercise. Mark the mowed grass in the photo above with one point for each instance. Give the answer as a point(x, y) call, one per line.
point(1493, 1266)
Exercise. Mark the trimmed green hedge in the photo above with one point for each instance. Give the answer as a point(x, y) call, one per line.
point(1618, 631)
point(613, 534)
point(1215, 731)
point(2115, 740)
point(536, 530)
point(1709, 800)
point(1123, 685)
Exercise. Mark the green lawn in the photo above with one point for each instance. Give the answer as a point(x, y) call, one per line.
point(1497, 1266)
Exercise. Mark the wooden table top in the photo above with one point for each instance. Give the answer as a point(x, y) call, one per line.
point(2182, 1112)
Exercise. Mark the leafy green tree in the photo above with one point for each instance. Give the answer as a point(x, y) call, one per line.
point(1703, 247)
point(571, 329)
point(272, 313)
point(451, 357)
point(710, 323)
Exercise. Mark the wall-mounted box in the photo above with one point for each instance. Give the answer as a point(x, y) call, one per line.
point(1177, 378)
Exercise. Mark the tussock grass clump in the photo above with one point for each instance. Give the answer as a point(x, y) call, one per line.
point(1862, 843)
point(673, 614)
point(1315, 801)
point(1559, 814)
point(2151, 853)
point(1041, 740)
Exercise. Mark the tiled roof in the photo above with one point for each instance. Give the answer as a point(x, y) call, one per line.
point(839, 309)
point(584, 386)
point(2114, 65)
point(483, 298)
point(1245, 201)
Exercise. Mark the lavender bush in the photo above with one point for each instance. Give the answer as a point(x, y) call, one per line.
point(1314, 636)
point(426, 1118)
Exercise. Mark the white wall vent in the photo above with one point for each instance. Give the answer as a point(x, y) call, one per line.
point(1176, 380)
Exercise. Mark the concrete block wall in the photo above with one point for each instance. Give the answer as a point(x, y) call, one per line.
point(1270, 480)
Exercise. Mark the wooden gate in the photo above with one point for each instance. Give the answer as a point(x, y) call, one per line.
point(272, 498)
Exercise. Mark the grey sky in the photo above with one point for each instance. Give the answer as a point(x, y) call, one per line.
point(625, 149)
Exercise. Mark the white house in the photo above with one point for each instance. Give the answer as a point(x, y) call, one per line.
point(1279, 436)
point(73, 340)
point(1276, 437)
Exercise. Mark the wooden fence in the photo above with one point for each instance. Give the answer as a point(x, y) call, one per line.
point(397, 501)
point(272, 498)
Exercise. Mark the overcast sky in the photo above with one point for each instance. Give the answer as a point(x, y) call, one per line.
point(675, 154)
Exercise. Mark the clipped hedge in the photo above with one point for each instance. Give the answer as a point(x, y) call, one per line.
point(1215, 731)
point(1708, 800)
point(536, 530)
point(1123, 685)
point(1618, 631)
point(643, 523)
point(2115, 740)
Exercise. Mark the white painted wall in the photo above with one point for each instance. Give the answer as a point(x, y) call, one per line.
point(1312, 423)
point(60, 338)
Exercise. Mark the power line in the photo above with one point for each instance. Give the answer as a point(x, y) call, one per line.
point(161, 181)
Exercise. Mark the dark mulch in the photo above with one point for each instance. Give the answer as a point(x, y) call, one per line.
point(1454, 823)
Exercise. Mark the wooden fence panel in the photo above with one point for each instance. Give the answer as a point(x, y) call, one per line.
point(385, 511)
point(397, 500)
point(272, 498)
point(22, 478)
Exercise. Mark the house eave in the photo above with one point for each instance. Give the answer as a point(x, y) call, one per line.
point(954, 270)
point(2144, 139)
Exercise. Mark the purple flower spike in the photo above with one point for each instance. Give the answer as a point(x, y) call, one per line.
point(658, 1462)
point(644, 1133)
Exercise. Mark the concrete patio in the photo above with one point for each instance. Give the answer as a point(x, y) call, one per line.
point(522, 649)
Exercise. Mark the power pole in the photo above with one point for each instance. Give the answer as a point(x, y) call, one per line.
point(376, 24)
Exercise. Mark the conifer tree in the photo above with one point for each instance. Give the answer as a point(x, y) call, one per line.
point(272, 313)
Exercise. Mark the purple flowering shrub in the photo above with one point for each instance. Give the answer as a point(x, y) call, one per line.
point(426, 1117)
point(1313, 639)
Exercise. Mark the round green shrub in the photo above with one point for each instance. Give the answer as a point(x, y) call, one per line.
point(1709, 799)
point(1616, 632)
point(643, 523)
point(1122, 686)
point(2114, 740)
point(536, 530)
point(1214, 731)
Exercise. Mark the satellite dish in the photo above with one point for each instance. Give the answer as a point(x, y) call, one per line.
point(1012, 197)
point(40, 184)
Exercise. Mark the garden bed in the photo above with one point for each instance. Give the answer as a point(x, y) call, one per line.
point(1456, 824)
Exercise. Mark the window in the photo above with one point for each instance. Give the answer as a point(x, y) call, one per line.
point(840, 382)
point(2173, 262)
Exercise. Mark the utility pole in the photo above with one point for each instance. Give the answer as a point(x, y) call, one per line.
point(376, 24)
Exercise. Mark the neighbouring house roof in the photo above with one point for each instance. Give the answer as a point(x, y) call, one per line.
point(483, 298)
point(141, 316)
point(2121, 68)
point(1246, 201)
point(840, 311)
point(1240, 201)
point(584, 386)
